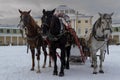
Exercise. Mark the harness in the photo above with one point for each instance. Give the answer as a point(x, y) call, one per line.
point(30, 38)
point(55, 38)
point(98, 38)
point(102, 38)
point(62, 31)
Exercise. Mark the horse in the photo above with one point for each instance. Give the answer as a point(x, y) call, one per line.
point(98, 40)
point(55, 32)
point(33, 36)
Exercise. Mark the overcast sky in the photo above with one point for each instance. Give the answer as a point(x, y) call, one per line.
point(9, 8)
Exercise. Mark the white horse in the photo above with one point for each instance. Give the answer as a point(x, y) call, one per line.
point(98, 40)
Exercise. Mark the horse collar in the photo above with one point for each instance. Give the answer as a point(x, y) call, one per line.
point(99, 38)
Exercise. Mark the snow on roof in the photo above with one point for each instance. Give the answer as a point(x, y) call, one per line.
point(8, 26)
point(63, 7)
point(116, 25)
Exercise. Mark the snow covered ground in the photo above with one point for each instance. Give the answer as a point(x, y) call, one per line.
point(15, 64)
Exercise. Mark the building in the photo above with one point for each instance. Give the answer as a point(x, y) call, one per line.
point(80, 22)
point(83, 24)
point(10, 35)
point(116, 32)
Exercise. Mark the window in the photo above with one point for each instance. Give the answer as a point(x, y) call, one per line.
point(86, 30)
point(79, 21)
point(14, 31)
point(86, 21)
point(72, 11)
point(62, 11)
point(18, 31)
point(1, 30)
point(79, 30)
point(8, 31)
point(66, 11)
point(116, 29)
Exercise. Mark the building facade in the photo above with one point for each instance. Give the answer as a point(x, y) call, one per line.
point(10, 35)
point(116, 32)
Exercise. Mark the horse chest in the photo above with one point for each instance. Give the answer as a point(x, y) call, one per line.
point(98, 44)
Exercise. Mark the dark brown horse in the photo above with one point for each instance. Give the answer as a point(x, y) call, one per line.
point(58, 37)
point(33, 36)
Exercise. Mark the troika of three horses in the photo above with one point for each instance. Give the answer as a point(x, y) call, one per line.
point(56, 32)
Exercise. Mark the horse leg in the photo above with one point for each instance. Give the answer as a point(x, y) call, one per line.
point(33, 58)
point(55, 72)
point(94, 59)
point(38, 59)
point(68, 55)
point(91, 61)
point(45, 56)
point(49, 58)
point(101, 57)
point(62, 58)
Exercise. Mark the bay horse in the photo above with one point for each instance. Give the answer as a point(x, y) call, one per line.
point(58, 38)
point(33, 36)
point(98, 40)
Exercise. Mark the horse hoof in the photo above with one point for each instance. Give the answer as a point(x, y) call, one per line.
point(101, 71)
point(61, 74)
point(55, 73)
point(49, 66)
point(67, 67)
point(94, 72)
point(92, 65)
point(32, 69)
point(43, 66)
point(38, 71)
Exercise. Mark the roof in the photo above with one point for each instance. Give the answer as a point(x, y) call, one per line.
point(63, 7)
point(8, 26)
point(116, 25)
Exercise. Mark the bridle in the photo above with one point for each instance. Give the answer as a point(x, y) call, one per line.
point(25, 25)
point(102, 38)
point(48, 21)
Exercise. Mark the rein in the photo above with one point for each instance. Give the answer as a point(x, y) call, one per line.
point(57, 37)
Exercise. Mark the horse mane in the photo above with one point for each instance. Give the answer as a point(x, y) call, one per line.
point(97, 24)
point(33, 23)
point(55, 25)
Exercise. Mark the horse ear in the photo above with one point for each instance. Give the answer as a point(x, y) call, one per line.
point(111, 13)
point(99, 14)
point(43, 11)
point(29, 11)
point(19, 10)
point(53, 10)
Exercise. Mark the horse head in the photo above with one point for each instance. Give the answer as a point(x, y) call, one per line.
point(24, 17)
point(28, 24)
point(103, 25)
point(46, 21)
